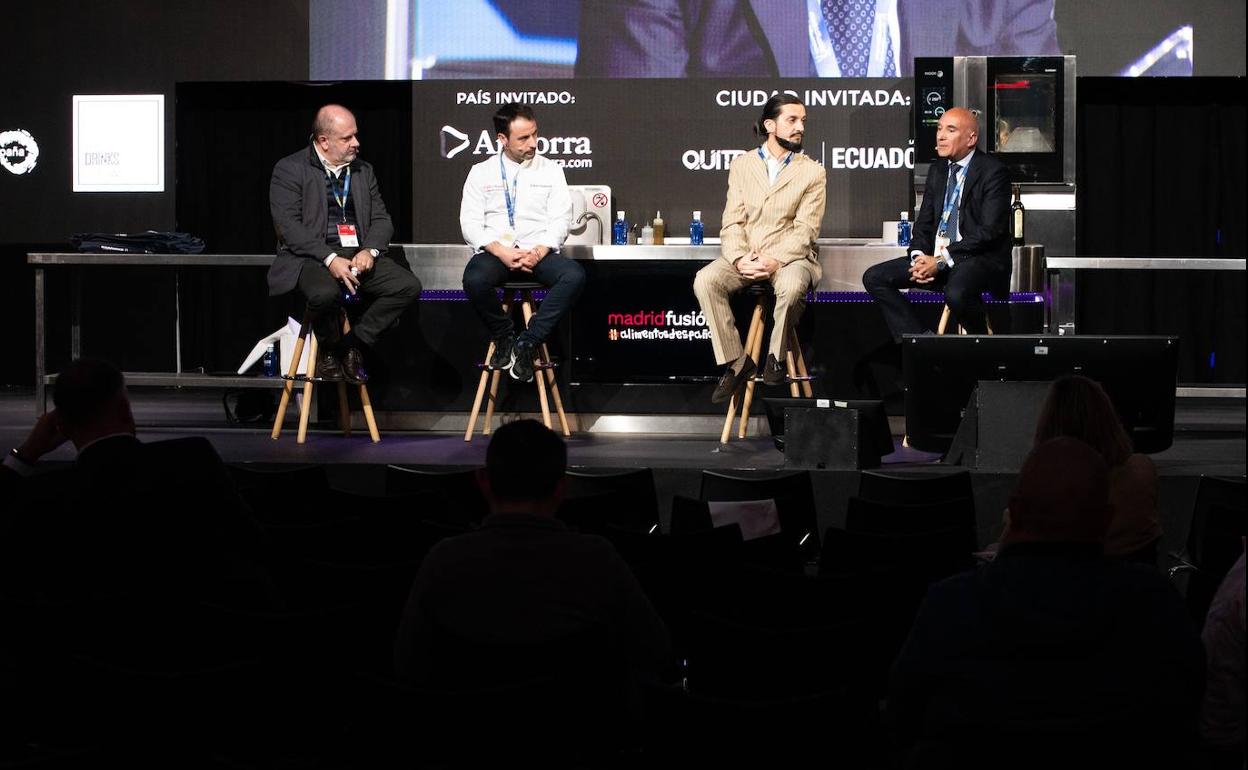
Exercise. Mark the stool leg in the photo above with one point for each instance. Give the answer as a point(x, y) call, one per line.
point(796, 347)
point(732, 412)
point(344, 410)
point(554, 390)
point(944, 321)
point(306, 406)
point(366, 404)
point(289, 386)
point(526, 307)
point(491, 403)
point(755, 342)
point(476, 402)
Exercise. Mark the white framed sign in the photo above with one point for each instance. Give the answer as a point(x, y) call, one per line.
point(119, 143)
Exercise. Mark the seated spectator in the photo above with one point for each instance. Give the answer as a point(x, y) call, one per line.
point(128, 521)
point(1079, 408)
point(1051, 652)
point(1222, 714)
point(523, 580)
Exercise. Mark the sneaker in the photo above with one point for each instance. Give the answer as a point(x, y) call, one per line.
point(774, 372)
point(502, 357)
point(731, 381)
point(522, 362)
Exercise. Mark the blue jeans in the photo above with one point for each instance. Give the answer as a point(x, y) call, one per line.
point(563, 278)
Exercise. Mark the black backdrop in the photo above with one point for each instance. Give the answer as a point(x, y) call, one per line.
point(1161, 170)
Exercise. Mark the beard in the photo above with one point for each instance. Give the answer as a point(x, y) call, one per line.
point(791, 146)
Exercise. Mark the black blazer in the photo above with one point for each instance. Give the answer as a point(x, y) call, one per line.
point(983, 214)
point(301, 215)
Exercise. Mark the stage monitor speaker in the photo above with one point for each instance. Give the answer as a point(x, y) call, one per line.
point(833, 439)
point(998, 426)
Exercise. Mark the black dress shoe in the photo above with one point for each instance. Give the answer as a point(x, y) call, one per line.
point(328, 368)
point(773, 371)
point(731, 381)
point(353, 367)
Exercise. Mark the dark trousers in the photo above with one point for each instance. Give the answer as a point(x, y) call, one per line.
point(563, 278)
point(386, 291)
point(962, 286)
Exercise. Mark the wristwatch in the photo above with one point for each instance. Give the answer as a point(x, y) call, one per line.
point(375, 253)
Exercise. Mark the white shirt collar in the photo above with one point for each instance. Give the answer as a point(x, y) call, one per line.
point(966, 161)
point(335, 170)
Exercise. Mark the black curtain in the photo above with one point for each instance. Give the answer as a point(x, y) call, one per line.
point(229, 137)
point(1161, 173)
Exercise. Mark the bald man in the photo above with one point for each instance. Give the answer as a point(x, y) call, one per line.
point(961, 242)
point(333, 233)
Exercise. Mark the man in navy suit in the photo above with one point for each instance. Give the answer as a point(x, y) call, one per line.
point(802, 38)
point(961, 242)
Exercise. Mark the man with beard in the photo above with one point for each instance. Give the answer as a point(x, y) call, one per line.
point(332, 234)
point(771, 220)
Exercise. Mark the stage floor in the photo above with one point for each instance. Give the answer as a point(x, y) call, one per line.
point(1209, 440)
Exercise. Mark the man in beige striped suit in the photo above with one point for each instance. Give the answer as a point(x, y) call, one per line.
point(771, 219)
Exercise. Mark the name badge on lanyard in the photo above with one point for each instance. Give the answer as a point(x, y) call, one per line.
point(347, 235)
point(510, 194)
point(943, 236)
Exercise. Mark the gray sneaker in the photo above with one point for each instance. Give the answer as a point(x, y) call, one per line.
point(522, 362)
point(502, 357)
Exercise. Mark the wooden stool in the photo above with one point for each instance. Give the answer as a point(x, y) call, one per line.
point(794, 363)
point(947, 313)
point(310, 380)
point(543, 368)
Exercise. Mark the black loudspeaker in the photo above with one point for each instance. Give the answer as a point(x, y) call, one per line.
point(830, 439)
point(998, 426)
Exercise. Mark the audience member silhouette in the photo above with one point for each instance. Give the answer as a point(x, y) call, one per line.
point(1052, 652)
point(1078, 407)
point(128, 521)
point(523, 580)
point(1222, 713)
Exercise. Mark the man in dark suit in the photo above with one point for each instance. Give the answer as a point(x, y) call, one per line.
point(153, 522)
point(332, 234)
point(754, 38)
point(961, 242)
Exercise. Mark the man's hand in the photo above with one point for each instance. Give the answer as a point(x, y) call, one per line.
point(756, 267)
point(340, 268)
point(510, 256)
point(924, 269)
point(43, 438)
point(362, 261)
point(532, 257)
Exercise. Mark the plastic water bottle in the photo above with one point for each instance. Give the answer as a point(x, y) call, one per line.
point(695, 229)
point(619, 230)
point(348, 296)
point(269, 362)
point(903, 229)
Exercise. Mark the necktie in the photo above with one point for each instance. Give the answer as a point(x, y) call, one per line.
point(849, 25)
point(951, 227)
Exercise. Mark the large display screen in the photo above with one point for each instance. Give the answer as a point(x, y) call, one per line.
point(451, 39)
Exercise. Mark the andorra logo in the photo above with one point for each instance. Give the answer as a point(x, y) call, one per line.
point(18, 151)
point(450, 135)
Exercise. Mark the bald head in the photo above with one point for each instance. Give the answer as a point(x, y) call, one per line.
point(334, 134)
point(956, 133)
point(1062, 495)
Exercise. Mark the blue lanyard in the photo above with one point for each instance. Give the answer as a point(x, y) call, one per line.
point(509, 195)
point(952, 201)
point(346, 190)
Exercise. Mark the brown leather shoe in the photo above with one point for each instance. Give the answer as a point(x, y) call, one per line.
point(328, 367)
point(731, 381)
point(774, 372)
point(353, 367)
